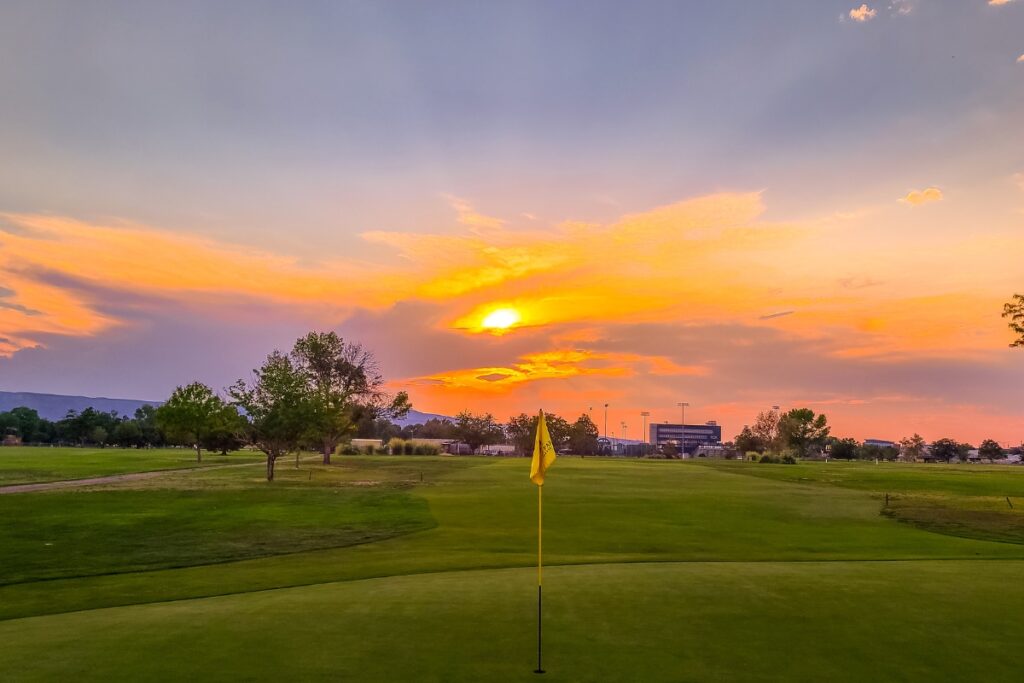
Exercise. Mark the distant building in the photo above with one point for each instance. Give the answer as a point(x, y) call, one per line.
point(881, 443)
point(693, 436)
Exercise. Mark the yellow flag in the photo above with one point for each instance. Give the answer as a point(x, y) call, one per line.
point(543, 453)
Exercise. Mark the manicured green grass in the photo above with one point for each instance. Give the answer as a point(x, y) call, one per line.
point(657, 571)
point(30, 464)
point(962, 480)
point(975, 501)
point(839, 621)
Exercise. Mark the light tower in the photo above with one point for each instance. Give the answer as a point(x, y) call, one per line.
point(682, 427)
point(643, 435)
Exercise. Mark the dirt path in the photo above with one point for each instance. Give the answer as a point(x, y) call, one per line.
point(114, 478)
point(72, 483)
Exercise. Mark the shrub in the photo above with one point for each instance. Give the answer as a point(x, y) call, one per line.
point(769, 459)
point(369, 450)
point(788, 460)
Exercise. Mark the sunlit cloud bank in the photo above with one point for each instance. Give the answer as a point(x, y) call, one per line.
point(704, 296)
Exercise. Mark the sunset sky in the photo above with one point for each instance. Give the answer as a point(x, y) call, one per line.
point(735, 204)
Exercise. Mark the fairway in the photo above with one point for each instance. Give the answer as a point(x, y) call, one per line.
point(419, 568)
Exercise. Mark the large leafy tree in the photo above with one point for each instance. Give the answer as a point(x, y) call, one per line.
point(477, 430)
point(345, 384)
point(190, 415)
point(844, 449)
point(277, 404)
point(1014, 311)
point(803, 431)
point(583, 436)
point(991, 449)
point(746, 441)
point(766, 430)
point(521, 431)
point(944, 449)
point(912, 447)
point(434, 429)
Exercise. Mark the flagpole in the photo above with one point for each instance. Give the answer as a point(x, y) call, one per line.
point(540, 582)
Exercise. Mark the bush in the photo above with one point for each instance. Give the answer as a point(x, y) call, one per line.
point(348, 449)
point(397, 446)
point(788, 460)
point(369, 450)
point(769, 459)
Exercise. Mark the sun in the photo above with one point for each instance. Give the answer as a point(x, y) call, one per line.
point(501, 319)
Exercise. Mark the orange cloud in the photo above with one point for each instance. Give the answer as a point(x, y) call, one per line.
point(863, 13)
point(918, 197)
point(710, 260)
point(558, 364)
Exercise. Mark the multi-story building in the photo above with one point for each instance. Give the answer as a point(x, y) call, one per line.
point(692, 436)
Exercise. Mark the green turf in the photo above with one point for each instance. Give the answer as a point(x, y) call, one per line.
point(25, 464)
point(974, 501)
point(728, 576)
point(845, 621)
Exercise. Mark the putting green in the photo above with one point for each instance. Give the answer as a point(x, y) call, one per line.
point(817, 621)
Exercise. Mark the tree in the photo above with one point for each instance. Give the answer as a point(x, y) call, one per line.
point(521, 431)
point(24, 422)
point(945, 449)
point(145, 416)
point(802, 431)
point(746, 441)
point(435, 429)
point(227, 432)
point(844, 449)
point(766, 429)
point(190, 415)
point(477, 430)
point(98, 436)
point(127, 434)
point(990, 449)
point(912, 447)
point(583, 436)
point(277, 405)
point(1014, 311)
point(876, 452)
point(345, 385)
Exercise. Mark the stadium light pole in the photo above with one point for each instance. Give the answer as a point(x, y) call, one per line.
point(643, 435)
point(682, 427)
point(606, 420)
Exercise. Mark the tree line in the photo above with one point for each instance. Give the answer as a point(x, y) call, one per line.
point(801, 433)
point(86, 428)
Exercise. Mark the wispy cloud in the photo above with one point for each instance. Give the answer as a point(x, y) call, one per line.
point(468, 216)
point(918, 197)
point(863, 13)
point(999, 2)
point(901, 7)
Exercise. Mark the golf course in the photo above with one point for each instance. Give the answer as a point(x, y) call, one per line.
point(424, 568)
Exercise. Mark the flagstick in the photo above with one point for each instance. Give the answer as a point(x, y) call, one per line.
point(540, 512)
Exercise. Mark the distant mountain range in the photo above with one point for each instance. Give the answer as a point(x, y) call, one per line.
point(56, 406)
